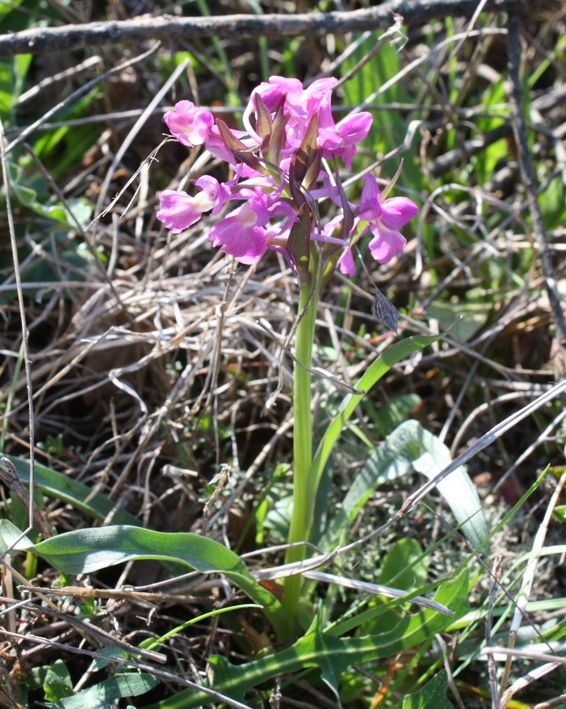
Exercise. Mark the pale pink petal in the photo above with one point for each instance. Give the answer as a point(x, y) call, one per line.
point(239, 235)
point(346, 263)
point(370, 201)
point(385, 244)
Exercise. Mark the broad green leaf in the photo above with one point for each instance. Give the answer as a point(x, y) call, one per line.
point(393, 413)
point(86, 550)
point(404, 566)
point(431, 696)
point(103, 694)
point(411, 447)
point(333, 655)
point(58, 683)
point(74, 493)
point(473, 317)
point(457, 489)
point(11, 537)
point(393, 355)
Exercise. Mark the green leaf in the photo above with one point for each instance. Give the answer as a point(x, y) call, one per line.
point(298, 243)
point(404, 565)
point(74, 493)
point(86, 550)
point(333, 655)
point(411, 447)
point(101, 696)
point(393, 413)
point(399, 351)
point(58, 683)
point(431, 696)
point(474, 317)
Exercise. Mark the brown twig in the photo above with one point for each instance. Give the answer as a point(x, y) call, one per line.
point(180, 29)
point(527, 170)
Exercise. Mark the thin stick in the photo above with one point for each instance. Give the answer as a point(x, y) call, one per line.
point(181, 29)
point(527, 170)
point(22, 309)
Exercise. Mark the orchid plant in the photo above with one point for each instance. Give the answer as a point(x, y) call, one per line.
point(285, 163)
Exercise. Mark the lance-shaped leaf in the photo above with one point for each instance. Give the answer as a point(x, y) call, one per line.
point(411, 447)
point(64, 488)
point(298, 243)
point(86, 550)
point(373, 374)
point(333, 655)
point(240, 150)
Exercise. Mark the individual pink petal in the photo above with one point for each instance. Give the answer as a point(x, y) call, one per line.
point(386, 244)
point(370, 201)
point(319, 89)
point(328, 139)
point(355, 128)
point(397, 211)
point(346, 263)
point(189, 124)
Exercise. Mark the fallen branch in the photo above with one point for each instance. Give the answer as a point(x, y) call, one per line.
point(180, 29)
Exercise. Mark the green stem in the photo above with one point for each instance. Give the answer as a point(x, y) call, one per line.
point(303, 505)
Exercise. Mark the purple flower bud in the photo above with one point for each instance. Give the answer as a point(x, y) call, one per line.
point(189, 124)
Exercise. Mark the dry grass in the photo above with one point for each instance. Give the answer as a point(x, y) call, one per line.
point(152, 361)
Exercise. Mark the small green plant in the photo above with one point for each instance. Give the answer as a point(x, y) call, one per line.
point(287, 166)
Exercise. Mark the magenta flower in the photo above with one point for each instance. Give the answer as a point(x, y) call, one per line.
point(189, 124)
point(339, 140)
point(178, 210)
point(385, 219)
point(278, 180)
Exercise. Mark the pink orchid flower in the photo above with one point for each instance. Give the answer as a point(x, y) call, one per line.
point(385, 219)
point(178, 210)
